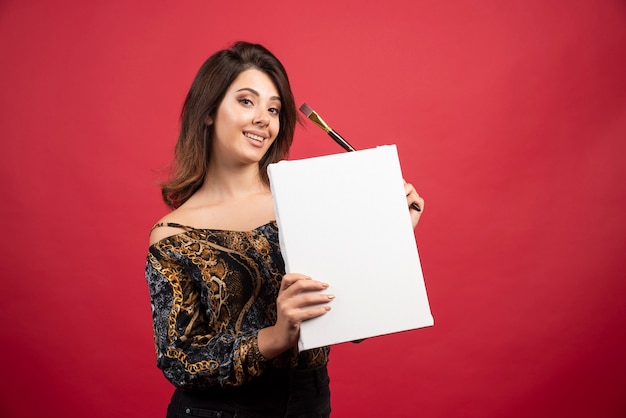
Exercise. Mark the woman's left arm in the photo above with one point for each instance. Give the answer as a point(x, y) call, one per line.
point(413, 197)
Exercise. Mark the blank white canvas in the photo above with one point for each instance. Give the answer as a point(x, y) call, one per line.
point(343, 219)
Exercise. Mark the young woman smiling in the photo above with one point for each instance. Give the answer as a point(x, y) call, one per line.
point(226, 316)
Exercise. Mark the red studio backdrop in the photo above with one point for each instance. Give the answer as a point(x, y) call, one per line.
point(509, 117)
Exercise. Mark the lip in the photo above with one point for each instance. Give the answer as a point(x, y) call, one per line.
point(257, 134)
point(262, 134)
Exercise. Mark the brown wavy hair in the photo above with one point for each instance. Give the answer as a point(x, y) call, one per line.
point(193, 148)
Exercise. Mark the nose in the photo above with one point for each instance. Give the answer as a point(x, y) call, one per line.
point(261, 118)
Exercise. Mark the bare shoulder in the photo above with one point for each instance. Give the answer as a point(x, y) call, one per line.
point(162, 229)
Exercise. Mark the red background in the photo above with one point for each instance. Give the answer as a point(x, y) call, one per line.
point(509, 117)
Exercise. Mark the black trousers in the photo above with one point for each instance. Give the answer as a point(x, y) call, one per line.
point(277, 393)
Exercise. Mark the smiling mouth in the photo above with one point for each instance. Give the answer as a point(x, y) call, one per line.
point(253, 136)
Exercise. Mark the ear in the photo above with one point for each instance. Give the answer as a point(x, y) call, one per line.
point(208, 121)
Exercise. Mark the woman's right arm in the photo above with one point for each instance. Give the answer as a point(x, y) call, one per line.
point(299, 299)
point(191, 352)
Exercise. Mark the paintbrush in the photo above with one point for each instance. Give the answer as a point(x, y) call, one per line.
point(312, 114)
point(317, 119)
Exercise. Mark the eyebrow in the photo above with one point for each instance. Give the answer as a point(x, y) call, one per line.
point(256, 93)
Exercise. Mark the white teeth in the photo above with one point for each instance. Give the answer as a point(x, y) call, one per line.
point(253, 136)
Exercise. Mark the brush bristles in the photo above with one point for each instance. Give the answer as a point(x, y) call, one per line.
point(306, 109)
point(313, 116)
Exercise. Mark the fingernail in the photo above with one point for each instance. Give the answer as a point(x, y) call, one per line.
point(331, 296)
point(328, 308)
point(325, 285)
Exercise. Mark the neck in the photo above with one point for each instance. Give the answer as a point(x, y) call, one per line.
point(227, 184)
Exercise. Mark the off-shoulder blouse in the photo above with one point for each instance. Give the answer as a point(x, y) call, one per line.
point(211, 292)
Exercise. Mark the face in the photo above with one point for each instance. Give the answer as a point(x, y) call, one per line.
point(247, 120)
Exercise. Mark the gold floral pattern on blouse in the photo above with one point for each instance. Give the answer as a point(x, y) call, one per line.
point(211, 292)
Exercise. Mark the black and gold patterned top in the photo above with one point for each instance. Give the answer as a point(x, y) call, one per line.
point(211, 292)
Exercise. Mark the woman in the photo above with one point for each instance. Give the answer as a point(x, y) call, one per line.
point(226, 316)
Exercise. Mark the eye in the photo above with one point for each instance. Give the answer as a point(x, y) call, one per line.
point(245, 101)
point(274, 110)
